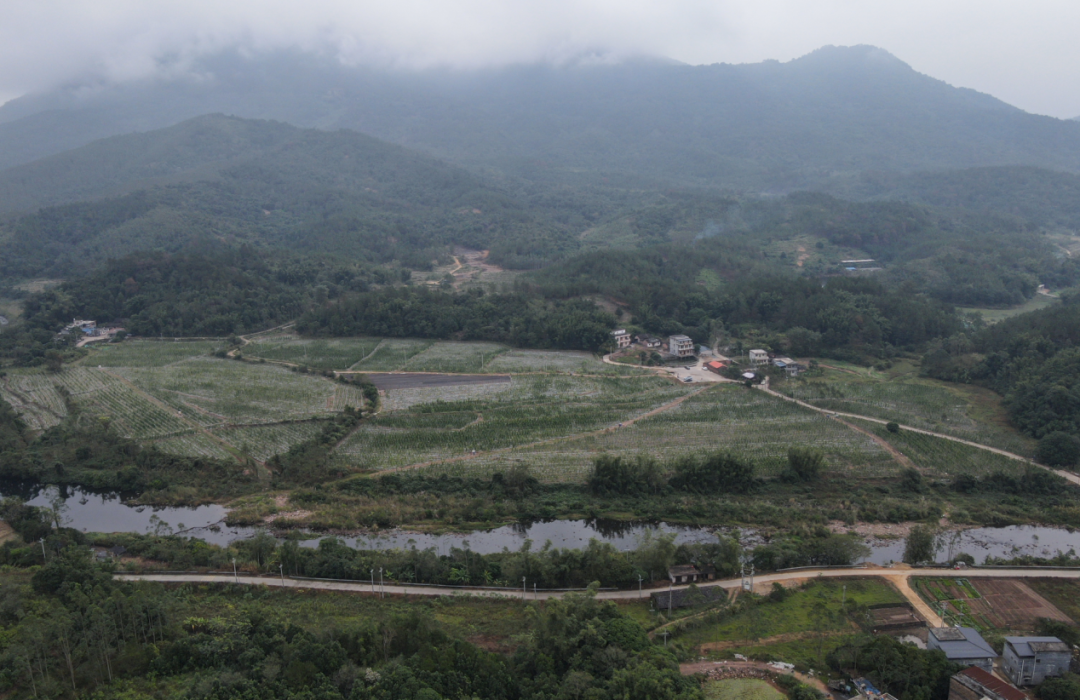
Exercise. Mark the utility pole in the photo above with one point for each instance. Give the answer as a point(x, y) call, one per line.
point(382, 586)
point(666, 633)
point(523, 589)
point(281, 570)
point(373, 582)
point(236, 579)
point(534, 590)
point(42, 541)
point(670, 595)
point(639, 586)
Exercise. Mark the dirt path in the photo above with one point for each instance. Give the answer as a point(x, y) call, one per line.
point(902, 584)
point(803, 256)
point(547, 441)
point(883, 443)
point(365, 357)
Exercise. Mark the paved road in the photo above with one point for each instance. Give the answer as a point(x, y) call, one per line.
point(899, 577)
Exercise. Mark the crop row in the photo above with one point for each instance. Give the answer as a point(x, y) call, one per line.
point(239, 392)
point(945, 457)
point(918, 404)
point(264, 441)
point(532, 411)
point(35, 398)
point(321, 354)
point(750, 424)
point(193, 445)
point(148, 353)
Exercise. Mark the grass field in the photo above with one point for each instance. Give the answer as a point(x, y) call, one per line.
point(741, 689)
point(531, 409)
point(1039, 301)
point(725, 417)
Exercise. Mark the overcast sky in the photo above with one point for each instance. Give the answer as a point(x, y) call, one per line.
point(1024, 53)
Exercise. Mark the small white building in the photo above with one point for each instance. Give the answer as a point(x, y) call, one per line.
point(759, 357)
point(622, 338)
point(681, 346)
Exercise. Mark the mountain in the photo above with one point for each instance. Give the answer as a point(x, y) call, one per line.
point(222, 181)
point(766, 126)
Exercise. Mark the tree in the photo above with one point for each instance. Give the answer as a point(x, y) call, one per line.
point(921, 546)
point(892, 427)
point(54, 361)
point(1059, 449)
point(805, 464)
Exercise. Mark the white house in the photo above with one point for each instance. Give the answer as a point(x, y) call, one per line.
point(622, 338)
point(759, 357)
point(680, 346)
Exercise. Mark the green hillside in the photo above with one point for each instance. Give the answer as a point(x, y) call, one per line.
point(233, 182)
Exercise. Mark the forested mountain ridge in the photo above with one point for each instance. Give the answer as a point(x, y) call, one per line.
point(268, 185)
point(759, 126)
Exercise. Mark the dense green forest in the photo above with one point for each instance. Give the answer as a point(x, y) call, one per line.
point(517, 319)
point(1032, 359)
point(315, 192)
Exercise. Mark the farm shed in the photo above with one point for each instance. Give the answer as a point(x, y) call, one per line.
point(716, 366)
point(1031, 660)
point(975, 684)
point(962, 645)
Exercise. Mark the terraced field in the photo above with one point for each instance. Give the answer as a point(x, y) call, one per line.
point(264, 441)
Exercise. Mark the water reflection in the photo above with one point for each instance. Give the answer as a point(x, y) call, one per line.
point(106, 512)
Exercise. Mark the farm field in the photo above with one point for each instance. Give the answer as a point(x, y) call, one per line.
point(939, 456)
point(320, 354)
point(168, 393)
point(146, 353)
point(454, 357)
point(804, 614)
point(728, 417)
point(919, 403)
point(1039, 301)
point(215, 392)
point(527, 410)
point(994, 605)
point(741, 689)
point(1063, 594)
point(392, 354)
point(264, 441)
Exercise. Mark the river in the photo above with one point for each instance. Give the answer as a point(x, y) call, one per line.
point(92, 512)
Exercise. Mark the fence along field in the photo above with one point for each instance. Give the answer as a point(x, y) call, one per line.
point(725, 417)
point(531, 409)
